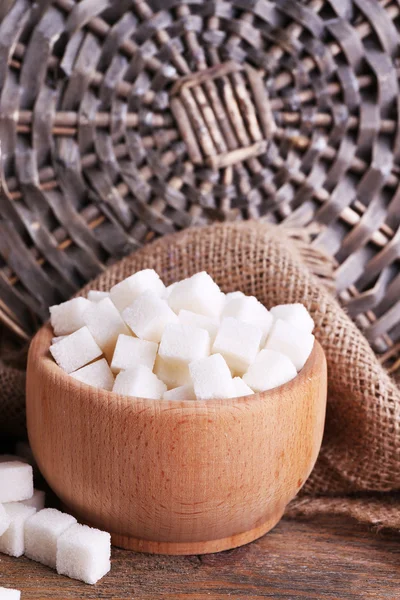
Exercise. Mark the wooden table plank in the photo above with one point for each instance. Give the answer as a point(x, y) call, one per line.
point(333, 559)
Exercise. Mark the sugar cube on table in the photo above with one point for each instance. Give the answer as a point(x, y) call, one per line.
point(4, 520)
point(187, 317)
point(183, 392)
point(12, 540)
point(270, 369)
point(182, 344)
point(238, 342)
point(172, 375)
point(199, 294)
point(37, 501)
point(140, 382)
point(97, 296)
point(67, 317)
point(249, 310)
point(16, 481)
point(76, 350)
point(294, 343)
point(148, 315)
point(98, 374)
point(84, 553)
point(241, 388)
point(105, 324)
point(9, 594)
point(212, 378)
point(125, 292)
point(130, 352)
point(42, 531)
point(294, 314)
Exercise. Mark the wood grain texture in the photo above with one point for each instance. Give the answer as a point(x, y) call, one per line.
point(332, 559)
point(174, 477)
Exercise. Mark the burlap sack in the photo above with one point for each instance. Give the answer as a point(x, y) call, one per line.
point(361, 447)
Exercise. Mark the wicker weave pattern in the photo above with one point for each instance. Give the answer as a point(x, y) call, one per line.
point(122, 121)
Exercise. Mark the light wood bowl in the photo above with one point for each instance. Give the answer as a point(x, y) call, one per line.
point(174, 477)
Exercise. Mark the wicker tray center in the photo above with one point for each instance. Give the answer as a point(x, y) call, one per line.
point(223, 114)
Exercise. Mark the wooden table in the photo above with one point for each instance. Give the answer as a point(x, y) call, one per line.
point(334, 559)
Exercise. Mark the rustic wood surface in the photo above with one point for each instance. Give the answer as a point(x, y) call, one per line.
point(334, 559)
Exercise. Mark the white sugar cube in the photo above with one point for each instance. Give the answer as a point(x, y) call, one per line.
point(199, 294)
point(148, 315)
point(84, 553)
point(231, 295)
point(42, 531)
point(131, 352)
point(98, 374)
point(172, 375)
point(292, 342)
point(97, 296)
point(238, 342)
point(269, 370)
point(212, 378)
point(140, 382)
point(12, 540)
point(16, 481)
point(125, 292)
point(183, 392)
point(105, 324)
point(249, 310)
point(241, 388)
point(294, 314)
point(187, 317)
point(37, 501)
point(76, 350)
point(4, 520)
point(67, 317)
point(9, 594)
point(182, 344)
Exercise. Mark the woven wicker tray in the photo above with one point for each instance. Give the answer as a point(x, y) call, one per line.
point(122, 121)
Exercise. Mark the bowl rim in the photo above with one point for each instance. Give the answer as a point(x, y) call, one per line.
point(41, 343)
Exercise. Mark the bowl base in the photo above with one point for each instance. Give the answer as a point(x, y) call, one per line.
point(184, 548)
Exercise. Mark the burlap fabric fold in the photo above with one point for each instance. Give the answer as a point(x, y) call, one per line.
point(361, 446)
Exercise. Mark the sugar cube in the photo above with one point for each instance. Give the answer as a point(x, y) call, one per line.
point(294, 314)
point(238, 342)
point(37, 501)
point(141, 382)
point(294, 343)
point(16, 481)
point(249, 310)
point(4, 520)
point(9, 594)
point(199, 294)
point(212, 378)
point(67, 317)
point(12, 540)
point(183, 392)
point(241, 388)
point(131, 352)
point(76, 350)
point(41, 533)
point(187, 317)
point(148, 315)
point(182, 344)
point(172, 375)
point(98, 374)
point(96, 296)
point(105, 324)
point(270, 369)
point(231, 295)
point(84, 553)
point(125, 292)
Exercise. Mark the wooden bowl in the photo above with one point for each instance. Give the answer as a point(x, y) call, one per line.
point(174, 477)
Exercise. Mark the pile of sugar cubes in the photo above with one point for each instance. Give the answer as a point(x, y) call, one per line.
point(46, 535)
point(186, 341)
